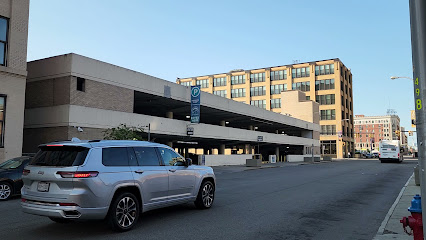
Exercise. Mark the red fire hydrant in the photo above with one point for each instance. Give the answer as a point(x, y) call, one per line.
point(415, 220)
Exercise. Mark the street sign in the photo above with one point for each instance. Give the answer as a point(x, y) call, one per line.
point(260, 138)
point(189, 131)
point(195, 104)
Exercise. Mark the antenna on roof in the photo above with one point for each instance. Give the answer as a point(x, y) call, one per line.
point(391, 112)
point(74, 139)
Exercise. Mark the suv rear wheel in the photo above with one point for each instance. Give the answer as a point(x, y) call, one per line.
point(124, 212)
point(205, 195)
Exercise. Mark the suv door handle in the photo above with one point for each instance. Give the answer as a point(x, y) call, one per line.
point(139, 171)
point(172, 170)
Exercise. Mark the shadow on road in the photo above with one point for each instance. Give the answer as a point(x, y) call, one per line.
point(148, 222)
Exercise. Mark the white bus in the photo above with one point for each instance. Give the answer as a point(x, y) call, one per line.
point(390, 150)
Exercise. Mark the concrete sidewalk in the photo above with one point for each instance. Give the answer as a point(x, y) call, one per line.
point(391, 228)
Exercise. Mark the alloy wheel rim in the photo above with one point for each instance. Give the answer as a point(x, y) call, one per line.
point(126, 212)
point(4, 191)
point(208, 195)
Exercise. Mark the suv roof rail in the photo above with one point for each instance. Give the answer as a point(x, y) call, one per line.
point(75, 139)
point(96, 140)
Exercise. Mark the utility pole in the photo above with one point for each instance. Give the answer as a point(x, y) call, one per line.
point(418, 41)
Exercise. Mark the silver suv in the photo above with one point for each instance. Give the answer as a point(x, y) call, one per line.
point(116, 180)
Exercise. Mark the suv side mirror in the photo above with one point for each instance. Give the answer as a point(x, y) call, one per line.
point(188, 162)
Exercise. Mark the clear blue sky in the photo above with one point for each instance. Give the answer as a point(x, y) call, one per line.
point(170, 39)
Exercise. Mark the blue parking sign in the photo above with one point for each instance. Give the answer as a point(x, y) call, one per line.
point(195, 104)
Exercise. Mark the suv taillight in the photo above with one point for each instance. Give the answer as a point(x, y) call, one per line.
point(78, 174)
point(25, 172)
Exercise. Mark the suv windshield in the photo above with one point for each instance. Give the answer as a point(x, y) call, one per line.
point(12, 163)
point(60, 156)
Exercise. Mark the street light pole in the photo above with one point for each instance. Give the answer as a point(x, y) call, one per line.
point(338, 138)
point(418, 47)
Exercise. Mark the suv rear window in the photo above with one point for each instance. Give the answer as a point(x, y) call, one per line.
point(60, 156)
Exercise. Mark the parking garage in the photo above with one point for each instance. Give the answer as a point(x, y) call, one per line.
point(114, 95)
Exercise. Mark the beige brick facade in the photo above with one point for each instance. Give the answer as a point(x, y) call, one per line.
point(47, 93)
point(13, 76)
point(102, 95)
point(342, 120)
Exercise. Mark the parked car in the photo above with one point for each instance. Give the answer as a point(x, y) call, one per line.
point(11, 176)
point(375, 155)
point(368, 155)
point(116, 180)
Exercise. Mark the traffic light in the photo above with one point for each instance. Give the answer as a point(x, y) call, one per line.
point(410, 133)
point(397, 132)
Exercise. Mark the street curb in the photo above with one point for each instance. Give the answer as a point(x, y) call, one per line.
point(389, 214)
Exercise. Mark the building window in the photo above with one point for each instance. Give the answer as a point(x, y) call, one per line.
point(238, 92)
point(300, 72)
point(302, 86)
point(328, 129)
point(324, 69)
point(308, 97)
point(325, 99)
point(276, 103)
point(217, 82)
point(187, 84)
point(328, 147)
point(203, 83)
point(324, 84)
point(259, 103)
point(278, 75)
point(2, 118)
point(4, 29)
point(258, 91)
point(240, 79)
point(257, 77)
point(277, 89)
point(221, 93)
point(329, 114)
point(81, 84)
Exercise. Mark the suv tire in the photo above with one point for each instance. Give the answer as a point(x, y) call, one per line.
point(205, 195)
point(124, 212)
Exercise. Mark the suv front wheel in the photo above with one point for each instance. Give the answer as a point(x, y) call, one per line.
point(124, 212)
point(205, 195)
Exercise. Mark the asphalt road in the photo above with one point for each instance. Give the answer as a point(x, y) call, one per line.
point(337, 200)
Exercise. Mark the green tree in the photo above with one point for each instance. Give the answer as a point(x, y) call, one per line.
point(123, 132)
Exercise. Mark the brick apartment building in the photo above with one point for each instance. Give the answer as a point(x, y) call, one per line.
point(328, 82)
point(370, 130)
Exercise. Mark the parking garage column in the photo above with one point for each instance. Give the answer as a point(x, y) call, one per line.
point(222, 149)
point(186, 153)
point(247, 149)
point(169, 115)
point(222, 123)
point(277, 153)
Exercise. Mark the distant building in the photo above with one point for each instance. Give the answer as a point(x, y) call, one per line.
point(370, 130)
point(328, 82)
point(13, 73)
